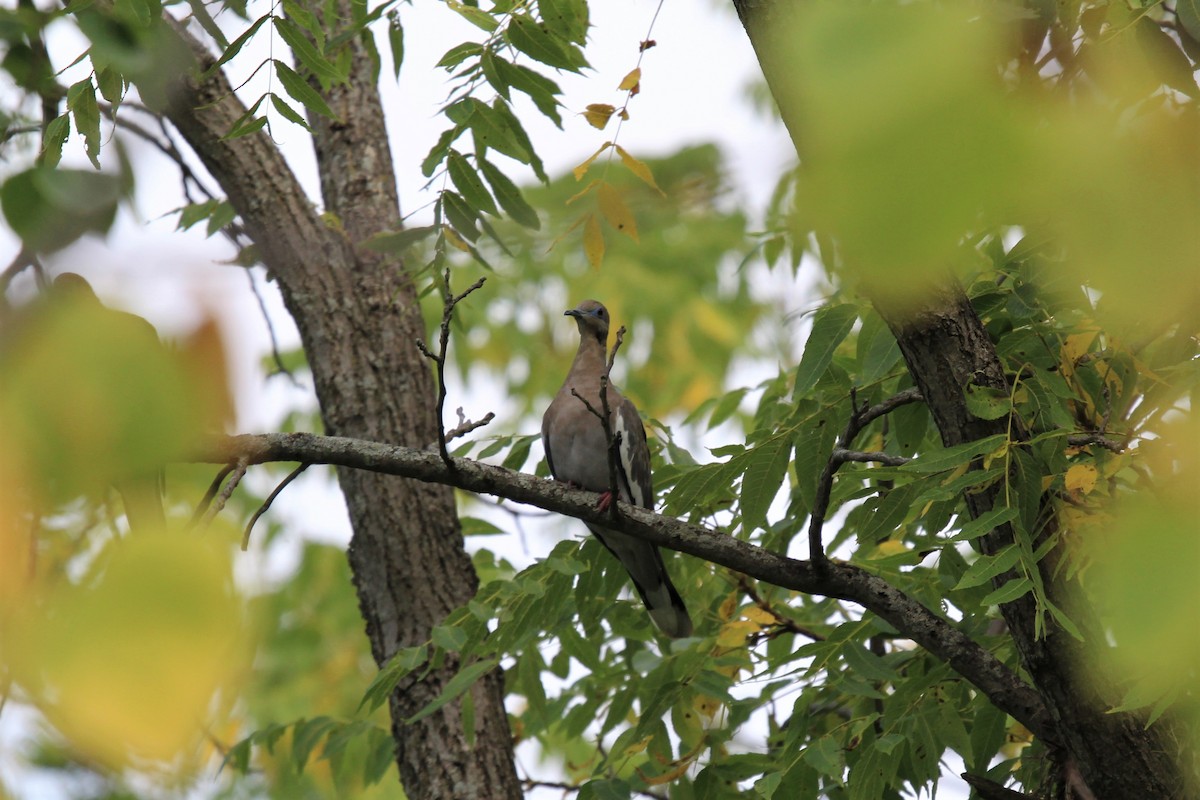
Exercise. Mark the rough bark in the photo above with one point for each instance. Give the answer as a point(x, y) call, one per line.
point(358, 320)
point(946, 347)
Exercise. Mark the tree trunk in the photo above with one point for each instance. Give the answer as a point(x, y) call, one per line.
point(946, 347)
point(359, 319)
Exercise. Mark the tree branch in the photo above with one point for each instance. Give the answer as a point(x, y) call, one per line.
point(838, 579)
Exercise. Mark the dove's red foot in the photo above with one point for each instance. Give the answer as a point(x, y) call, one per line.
point(605, 501)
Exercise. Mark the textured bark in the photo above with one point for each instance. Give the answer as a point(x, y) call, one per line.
point(946, 347)
point(358, 320)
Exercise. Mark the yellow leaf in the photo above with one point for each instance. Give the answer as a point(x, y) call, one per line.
point(728, 606)
point(1081, 478)
point(759, 615)
point(616, 212)
point(624, 115)
point(680, 768)
point(593, 241)
point(890, 547)
point(598, 114)
point(582, 169)
point(585, 190)
point(579, 221)
point(454, 239)
point(637, 747)
point(639, 169)
point(631, 80)
point(733, 634)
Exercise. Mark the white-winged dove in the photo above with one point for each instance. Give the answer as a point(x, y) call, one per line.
point(577, 453)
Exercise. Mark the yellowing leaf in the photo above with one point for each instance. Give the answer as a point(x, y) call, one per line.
point(759, 615)
point(733, 634)
point(630, 81)
point(638, 168)
point(1081, 478)
point(677, 771)
point(593, 241)
point(890, 547)
point(598, 114)
point(582, 169)
point(728, 606)
point(616, 212)
point(127, 662)
point(454, 239)
point(637, 747)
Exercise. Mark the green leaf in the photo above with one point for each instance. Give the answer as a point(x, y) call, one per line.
point(540, 89)
point(401, 664)
point(56, 136)
point(509, 196)
point(988, 567)
point(288, 113)
point(1017, 587)
point(474, 15)
point(986, 523)
point(469, 184)
point(474, 526)
point(246, 127)
point(307, 54)
point(1188, 12)
point(765, 469)
point(448, 637)
point(502, 110)
point(889, 513)
point(725, 407)
point(396, 42)
point(111, 85)
point(438, 153)
point(831, 326)
point(81, 102)
point(236, 46)
point(305, 736)
point(567, 18)
point(462, 217)
point(200, 12)
point(951, 457)
point(397, 242)
point(300, 91)
point(458, 54)
point(490, 63)
point(987, 402)
point(605, 789)
point(460, 683)
point(492, 130)
point(50, 208)
point(541, 44)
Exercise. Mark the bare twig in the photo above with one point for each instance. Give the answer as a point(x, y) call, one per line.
point(613, 442)
point(467, 426)
point(860, 417)
point(450, 300)
point(267, 503)
point(237, 471)
point(1098, 439)
point(784, 623)
point(205, 501)
point(22, 261)
point(612, 356)
point(841, 455)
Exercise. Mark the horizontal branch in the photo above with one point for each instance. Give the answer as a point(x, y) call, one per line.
point(837, 579)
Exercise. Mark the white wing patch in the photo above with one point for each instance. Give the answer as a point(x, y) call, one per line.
point(625, 451)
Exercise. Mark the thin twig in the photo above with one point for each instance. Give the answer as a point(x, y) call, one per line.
point(237, 473)
point(612, 357)
point(280, 368)
point(1098, 439)
point(785, 623)
point(467, 426)
point(613, 443)
point(449, 302)
point(25, 259)
point(267, 503)
point(841, 455)
point(213, 488)
point(860, 417)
